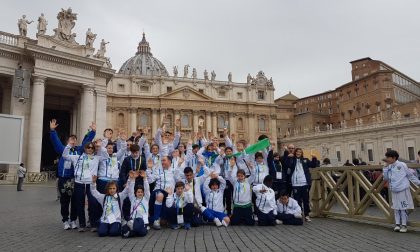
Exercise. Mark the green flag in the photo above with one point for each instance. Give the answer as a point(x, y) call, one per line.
point(259, 146)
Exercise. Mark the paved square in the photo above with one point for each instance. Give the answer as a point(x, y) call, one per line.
point(30, 221)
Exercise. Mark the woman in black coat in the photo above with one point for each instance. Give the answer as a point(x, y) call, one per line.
point(299, 177)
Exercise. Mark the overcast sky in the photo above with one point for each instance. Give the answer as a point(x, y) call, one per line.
point(305, 45)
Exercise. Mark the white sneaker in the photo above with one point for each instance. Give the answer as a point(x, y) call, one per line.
point(217, 222)
point(279, 222)
point(130, 224)
point(156, 225)
point(403, 229)
point(397, 228)
point(73, 225)
point(307, 219)
point(66, 225)
point(224, 223)
point(255, 218)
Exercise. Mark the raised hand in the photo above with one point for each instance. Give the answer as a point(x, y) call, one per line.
point(143, 174)
point(53, 124)
point(169, 190)
point(93, 126)
point(178, 122)
point(201, 162)
point(214, 175)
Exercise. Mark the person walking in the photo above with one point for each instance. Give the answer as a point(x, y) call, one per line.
point(21, 172)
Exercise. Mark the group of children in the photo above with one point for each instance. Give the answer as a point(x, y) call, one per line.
point(131, 185)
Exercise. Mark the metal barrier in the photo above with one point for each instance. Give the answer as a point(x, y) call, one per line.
point(31, 177)
point(355, 189)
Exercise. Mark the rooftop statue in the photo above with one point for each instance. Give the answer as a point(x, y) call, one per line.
point(23, 25)
point(90, 38)
point(42, 25)
point(213, 75)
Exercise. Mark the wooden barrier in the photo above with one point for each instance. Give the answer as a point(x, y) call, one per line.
point(354, 192)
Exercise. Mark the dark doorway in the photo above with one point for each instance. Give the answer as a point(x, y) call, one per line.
point(48, 154)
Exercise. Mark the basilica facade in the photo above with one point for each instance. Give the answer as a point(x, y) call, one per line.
point(143, 93)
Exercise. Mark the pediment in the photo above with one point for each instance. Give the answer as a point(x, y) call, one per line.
point(186, 93)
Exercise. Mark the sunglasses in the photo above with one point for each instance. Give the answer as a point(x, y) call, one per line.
point(90, 147)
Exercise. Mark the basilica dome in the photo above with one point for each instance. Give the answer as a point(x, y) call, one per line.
point(143, 63)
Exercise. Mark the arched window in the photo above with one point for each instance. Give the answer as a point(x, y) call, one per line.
point(222, 122)
point(261, 124)
point(144, 120)
point(120, 120)
point(201, 122)
point(169, 121)
point(240, 123)
point(185, 121)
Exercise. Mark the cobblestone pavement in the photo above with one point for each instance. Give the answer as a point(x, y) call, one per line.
point(30, 221)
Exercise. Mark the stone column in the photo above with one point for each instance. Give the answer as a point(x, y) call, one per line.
point(195, 121)
point(74, 116)
point(154, 122)
point(36, 124)
point(232, 126)
point(208, 121)
point(251, 128)
point(101, 122)
point(87, 111)
point(133, 121)
point(214, 123)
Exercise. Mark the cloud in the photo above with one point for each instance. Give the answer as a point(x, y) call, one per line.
point(304, 45)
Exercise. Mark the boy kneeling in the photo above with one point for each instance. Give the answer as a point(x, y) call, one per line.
point(180, 206)
point(288, 210)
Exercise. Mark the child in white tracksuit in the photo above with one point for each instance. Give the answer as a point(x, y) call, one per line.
point(214, 188)
point(139, 210)
point(399, 176)
point(111, 201)
point(266, 202)
point(288, 210)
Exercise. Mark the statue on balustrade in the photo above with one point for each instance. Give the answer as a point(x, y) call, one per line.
point(42, 25)
point(194, 73)
point(213, 75)
point(23, 25)
point(175, 71)
point(102, 49)
point(90, 38)
point(186, 71)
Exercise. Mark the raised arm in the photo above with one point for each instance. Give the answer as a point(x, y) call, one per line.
point(98, 196)
point(56, 142)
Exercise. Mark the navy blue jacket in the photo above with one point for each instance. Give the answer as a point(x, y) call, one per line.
point(130, 164)
point(77, 150)
point(290, 165)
